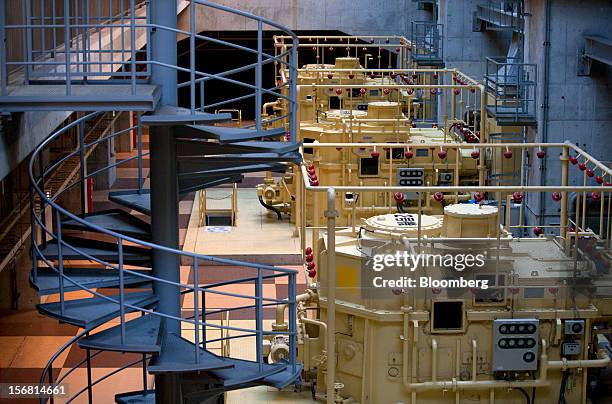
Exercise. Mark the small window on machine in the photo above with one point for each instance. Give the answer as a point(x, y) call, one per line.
point(368, 167)
point(308, 150)
point(398, 153)
point(334, 102)
point(447, 316)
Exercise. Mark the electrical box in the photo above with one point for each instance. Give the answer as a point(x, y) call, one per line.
point(411, 177)
point(446, 178)
point(515, 344)
point(570, 348)
point(574, 327)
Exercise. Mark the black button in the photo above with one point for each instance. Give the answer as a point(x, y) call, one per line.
point(529, 357)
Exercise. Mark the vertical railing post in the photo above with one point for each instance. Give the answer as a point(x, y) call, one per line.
point(43, 217)
point(139, 146)
point(192, 50)
point(82, 168)
point(3, 52)
point(28, 42)
point(259, 318)
point(258, 80)
point(121, 289)
point(33, 237)
point(202, 95)
point(84, 36)
point(67, 45)
point(204, 325)
point(89, 385)
point(60, 259)
point(292, 322)
point(196, 309)
point(331, 214)
point(293, 91)
point(51, 381)
point(133, 46)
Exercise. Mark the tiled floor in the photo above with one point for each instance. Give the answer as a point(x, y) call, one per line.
point(28, 339)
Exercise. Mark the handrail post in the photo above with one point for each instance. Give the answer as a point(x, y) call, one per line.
point(202, 95)
point(331, 293)
point(121, 290)
point(51, 400)
point(89, 385)
point(67, 45)
point(192, 49)
point(133, 46)
point(60, 260)
point(259, 318)
point(28, 41)
point(292, 322)
point(204, 344)
point(43, 217)
point(196, 310)
point(3, 52)
point(258, 80)
point(293, 91)
point(139, 132)
point(82, 168)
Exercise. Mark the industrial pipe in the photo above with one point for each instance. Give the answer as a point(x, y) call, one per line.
point(331, 214)
point(280, 309)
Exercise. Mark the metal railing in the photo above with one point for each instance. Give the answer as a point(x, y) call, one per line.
point(501, 15)
point(511, 86)
point(427, 44)
point(77, 70)
point(83, 57)
point(200, 320)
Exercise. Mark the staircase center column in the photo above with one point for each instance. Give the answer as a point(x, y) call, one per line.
point(164, 183)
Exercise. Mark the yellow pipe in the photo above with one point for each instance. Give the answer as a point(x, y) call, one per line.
point(474, 359)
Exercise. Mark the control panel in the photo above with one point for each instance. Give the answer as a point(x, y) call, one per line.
point(515, 344)
point(410, 177)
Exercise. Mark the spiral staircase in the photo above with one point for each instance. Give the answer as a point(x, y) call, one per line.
point(110, 255)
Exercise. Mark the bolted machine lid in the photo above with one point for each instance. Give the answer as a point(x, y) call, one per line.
point(404, 224)
point(470, 210)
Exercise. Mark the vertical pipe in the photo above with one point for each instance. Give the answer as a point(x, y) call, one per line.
point(293, 91)
point(60, 260)
point(133, 46)
point(82, 168)
point(202, 95)
point(121, 290)
point(258, 76)
point(67, 45)
point(196, 309)
point(192, 83)
point(331, 294)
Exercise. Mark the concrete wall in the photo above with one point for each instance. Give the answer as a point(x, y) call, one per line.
point(355, 17)
point(464, 48)
point(580, 108)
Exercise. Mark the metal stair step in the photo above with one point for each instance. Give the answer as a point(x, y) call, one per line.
point(136, 397)
point(141, 336)
point(138, 201)
point(191, 147)
point(178, 355)
point(234, 159)
point(245, 371)
point(226, 134)
point(102, 250)
point(170, 116)
point(116, 220)
point(283, 379)
point(195, 184)
point(47, 280)
point(225, 171)
point(91, 312)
